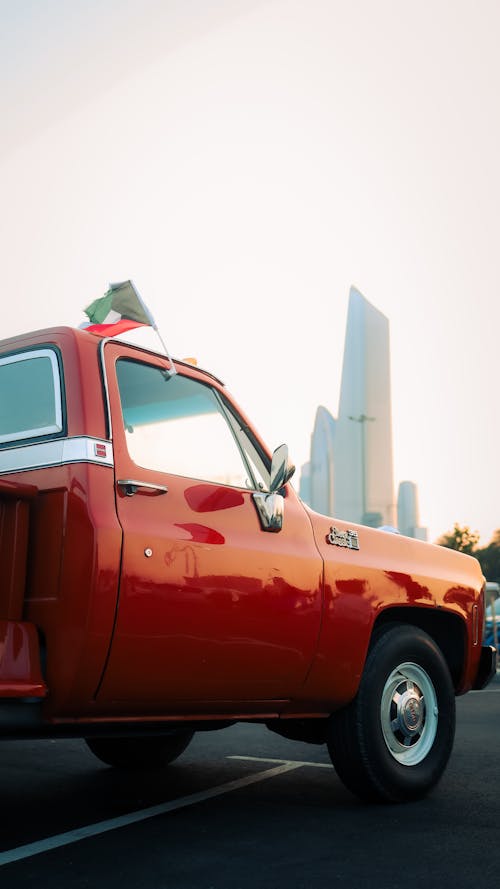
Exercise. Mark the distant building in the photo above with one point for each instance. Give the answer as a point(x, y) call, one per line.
point(350, 473)
point(364, 490)
point(408, 512)
point(322, 463)
point(305, 483)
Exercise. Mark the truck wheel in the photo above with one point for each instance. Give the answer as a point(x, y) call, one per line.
point(140, 753)
point(393, 741)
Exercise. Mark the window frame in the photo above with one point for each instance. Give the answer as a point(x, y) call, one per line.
point(239, 430)
point(54, 430)
point(235, 426)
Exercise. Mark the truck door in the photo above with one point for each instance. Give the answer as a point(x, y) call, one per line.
point(211, 606)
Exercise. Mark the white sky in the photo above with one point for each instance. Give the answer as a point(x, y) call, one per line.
point(245, 162)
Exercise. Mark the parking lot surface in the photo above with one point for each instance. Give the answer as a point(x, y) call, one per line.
point(245, 808)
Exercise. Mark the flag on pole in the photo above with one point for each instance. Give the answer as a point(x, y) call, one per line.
point(119, 310)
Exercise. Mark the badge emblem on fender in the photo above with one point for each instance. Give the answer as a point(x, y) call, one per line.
point(348, 539)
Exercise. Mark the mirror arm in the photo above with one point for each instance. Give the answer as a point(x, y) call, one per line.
point(270, 508)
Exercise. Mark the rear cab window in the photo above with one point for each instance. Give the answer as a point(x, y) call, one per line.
point(31, 404)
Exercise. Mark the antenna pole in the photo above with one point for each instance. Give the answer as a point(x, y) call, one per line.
point(172, 370)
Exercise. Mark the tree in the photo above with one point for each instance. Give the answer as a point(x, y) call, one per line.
point(461, 538)
point(489, 558)
point(465, 541)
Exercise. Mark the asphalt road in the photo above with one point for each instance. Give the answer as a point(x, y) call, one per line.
point(225, 821)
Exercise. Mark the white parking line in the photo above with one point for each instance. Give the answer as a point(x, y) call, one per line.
point(291, 762)
point(92, 830)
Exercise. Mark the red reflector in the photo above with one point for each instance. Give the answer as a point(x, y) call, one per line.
point(100, 450)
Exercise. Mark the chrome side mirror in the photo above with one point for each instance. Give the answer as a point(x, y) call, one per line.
point(270, 504)
point(270, 508)
point(281, 470)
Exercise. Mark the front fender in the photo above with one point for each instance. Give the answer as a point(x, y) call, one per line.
point(384, 571)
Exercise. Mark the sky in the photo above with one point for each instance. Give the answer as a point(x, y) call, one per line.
point(245, 162)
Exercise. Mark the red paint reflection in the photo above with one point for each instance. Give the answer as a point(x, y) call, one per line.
point(200, 533)
point(211, 498)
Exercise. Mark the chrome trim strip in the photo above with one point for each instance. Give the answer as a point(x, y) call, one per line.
point(103, 342)
point(62, 451)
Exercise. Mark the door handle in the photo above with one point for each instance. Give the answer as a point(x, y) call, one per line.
point(132, 485)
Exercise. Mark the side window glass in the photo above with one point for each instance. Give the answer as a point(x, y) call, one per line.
point(176, 425)
point(30, 395)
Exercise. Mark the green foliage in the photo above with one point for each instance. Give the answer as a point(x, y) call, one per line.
point(466, 541)
point(461, 538)
point(489, 558)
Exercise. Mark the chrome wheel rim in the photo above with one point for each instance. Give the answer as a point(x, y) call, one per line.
point(409, 714)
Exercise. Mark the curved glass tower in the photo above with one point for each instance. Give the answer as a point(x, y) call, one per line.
point(350, 472)
point(364, 491)
point(321, 480)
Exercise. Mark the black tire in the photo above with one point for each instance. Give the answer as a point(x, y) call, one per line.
point(140, 753)
point(393, 741)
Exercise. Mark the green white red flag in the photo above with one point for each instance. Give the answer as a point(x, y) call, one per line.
point(120, 309)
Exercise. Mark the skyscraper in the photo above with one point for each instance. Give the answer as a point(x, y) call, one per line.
point(363, 436)
point(350, 472)
point(321, 478)
point(408, 514)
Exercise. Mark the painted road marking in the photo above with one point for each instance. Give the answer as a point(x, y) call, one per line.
point(92, 830)
point(292, 762)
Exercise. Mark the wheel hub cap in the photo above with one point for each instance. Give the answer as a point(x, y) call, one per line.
point(410, 709)
point(409, 714)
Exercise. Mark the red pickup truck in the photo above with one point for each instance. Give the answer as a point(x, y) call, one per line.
point(160, 576)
